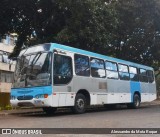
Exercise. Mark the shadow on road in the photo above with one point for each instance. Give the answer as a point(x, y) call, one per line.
point(67, 111)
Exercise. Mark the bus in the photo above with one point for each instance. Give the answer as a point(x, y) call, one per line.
point(52, 75)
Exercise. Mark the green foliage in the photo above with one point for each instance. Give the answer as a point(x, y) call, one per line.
point(89, 26)
point(7, 107)
point(127, 29)
point(137, 36)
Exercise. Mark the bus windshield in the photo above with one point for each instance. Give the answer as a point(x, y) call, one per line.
point(33, 70)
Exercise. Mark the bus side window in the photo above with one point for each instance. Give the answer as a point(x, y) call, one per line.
point(123, 72)
point(150, 76)
point(143, 75)
point(133, 73)
point(82, 67)
point(112, 70)
point(97, 68)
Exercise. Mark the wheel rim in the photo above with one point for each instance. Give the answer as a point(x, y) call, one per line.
point(80, 104)
point(137, 102)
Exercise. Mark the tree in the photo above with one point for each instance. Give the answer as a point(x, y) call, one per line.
point(83, 24)
point(137, 36)
point(126, 29)
point(5, 14)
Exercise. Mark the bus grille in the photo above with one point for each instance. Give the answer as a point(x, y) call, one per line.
point(25, 97)
point(25, 104)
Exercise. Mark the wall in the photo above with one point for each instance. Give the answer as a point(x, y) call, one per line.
point(4, 99)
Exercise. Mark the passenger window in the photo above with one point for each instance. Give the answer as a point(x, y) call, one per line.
point(123, 68)
point(123, 72)
point(62, 69)
point(133, 74)
point(82, 67)
point(143, 75)
point(97, 68)
point(111, 69)
point(111, 66)
point(150, 76)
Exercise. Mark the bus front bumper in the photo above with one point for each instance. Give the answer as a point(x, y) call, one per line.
point(31, 103)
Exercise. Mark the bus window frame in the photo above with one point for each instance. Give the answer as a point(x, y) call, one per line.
point(134, 73)
point(124, 72)
point(112, 70)
point(96, 68)
point(140, 75)
point(150, 76)
point(53, 57)
point(89, 66)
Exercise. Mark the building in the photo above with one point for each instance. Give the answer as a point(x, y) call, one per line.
point(7, 68)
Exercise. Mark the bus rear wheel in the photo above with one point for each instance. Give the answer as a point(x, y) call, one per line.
point(49, 110)
point(80, 104)
point(136, 102)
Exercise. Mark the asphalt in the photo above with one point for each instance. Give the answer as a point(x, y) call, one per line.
point(38, 110)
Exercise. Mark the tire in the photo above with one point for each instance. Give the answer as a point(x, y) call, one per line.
point(80, 104)
point(49, 110)
point(136, 102)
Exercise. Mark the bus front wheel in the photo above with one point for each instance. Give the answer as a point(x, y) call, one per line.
point(49, 110)
point(80, 104)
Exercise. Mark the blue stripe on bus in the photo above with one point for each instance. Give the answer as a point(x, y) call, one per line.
point(31, 91)
point(134, 86)
point(79, 51)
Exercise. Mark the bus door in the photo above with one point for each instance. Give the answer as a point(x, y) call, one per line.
point(62, 79)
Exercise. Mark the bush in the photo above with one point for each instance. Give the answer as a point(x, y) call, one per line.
point(8, 107)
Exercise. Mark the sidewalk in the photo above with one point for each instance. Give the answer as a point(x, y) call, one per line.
point(39, 110)
point(20, 111)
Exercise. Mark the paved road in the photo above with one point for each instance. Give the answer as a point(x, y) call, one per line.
point(145, 117)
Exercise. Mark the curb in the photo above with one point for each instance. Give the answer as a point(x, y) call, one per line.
point(3, 114)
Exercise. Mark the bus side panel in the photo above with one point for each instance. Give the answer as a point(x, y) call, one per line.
point(122, 87)
point(152, 91)
point(96, 87)
point(118, 91)
point(83, 83)
point(112, 96)
point(134, 86)
point(144, 92)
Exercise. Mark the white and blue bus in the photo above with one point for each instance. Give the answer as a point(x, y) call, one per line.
point(53, 75)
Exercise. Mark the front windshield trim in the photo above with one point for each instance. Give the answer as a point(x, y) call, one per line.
point(37, 48)
point(39, 68)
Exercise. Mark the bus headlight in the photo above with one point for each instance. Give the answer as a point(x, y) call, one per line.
point(41, 96)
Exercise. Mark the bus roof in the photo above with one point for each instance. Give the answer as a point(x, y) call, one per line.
point(88, 53)
point(51, 46)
